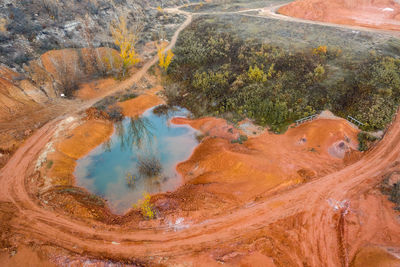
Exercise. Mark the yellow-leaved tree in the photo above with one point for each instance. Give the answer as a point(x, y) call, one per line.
point(125, 39)
point(165, 58)
point(146, 207)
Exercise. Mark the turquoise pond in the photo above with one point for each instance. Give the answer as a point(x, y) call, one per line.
point(112, 170)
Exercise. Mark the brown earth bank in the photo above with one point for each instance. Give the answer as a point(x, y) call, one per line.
point(27, 103)
point(378, 14)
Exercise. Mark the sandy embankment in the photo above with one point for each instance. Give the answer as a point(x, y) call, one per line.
point(378, 14)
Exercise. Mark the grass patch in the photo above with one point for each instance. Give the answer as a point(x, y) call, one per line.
point(230, 5)
point(365, 140)
point(240, 139)
point(289, 71)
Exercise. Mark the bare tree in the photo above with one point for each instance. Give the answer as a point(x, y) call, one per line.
point(51, 7)
point(68, 73)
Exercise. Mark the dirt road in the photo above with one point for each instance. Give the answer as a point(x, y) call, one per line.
point(321, 223)
point(308, 204)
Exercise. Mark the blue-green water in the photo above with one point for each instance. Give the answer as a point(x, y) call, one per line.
point(112, 169)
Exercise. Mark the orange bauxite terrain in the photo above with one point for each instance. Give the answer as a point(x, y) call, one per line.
point(379, 14)
point(268, 160)
point(306, 197)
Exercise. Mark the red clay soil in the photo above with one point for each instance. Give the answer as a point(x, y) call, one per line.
point(378, 14)
point(78, 142)
point(329, 221)
point(95, 89)
point(136, 106)
point(295, 199)
point(25, 256)
point(267, 161)
point(13, 100)
point(23, 108)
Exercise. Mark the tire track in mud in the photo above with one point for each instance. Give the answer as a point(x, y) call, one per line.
point(76, 236)
point(306, 203)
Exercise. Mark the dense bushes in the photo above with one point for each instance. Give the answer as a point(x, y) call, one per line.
point(365, 140)
point(215, 73)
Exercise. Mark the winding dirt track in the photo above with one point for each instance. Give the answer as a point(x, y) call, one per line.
point(315, 235)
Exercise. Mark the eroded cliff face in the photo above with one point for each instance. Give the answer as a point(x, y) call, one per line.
point(29, 100)
point(47, 77)
point(16, 94)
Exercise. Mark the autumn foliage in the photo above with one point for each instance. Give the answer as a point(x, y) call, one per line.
point(125, 39)
point(165, 58)
point(146, 208)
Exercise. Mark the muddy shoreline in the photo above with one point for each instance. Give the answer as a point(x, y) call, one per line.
point(217, 144)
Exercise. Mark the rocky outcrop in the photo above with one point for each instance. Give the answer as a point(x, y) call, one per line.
point(17, 94)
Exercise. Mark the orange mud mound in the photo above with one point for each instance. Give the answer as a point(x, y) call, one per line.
point(378, 14)
point(136, 106)
point(325, 222)
point(74, 145)
point(84, 138)
point(268, 160)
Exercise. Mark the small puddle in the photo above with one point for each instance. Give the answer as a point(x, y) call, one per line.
point(141, 156)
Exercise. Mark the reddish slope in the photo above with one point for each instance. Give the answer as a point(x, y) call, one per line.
point(379, 14)
point(295, 228)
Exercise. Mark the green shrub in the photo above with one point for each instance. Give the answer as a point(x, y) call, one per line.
point(161, 110)
point(240, 140)
point(49, 164)
point(364, 140)
point(215, 72)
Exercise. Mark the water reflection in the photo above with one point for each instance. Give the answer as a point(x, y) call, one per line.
point(132, 132)
point(141, 156)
